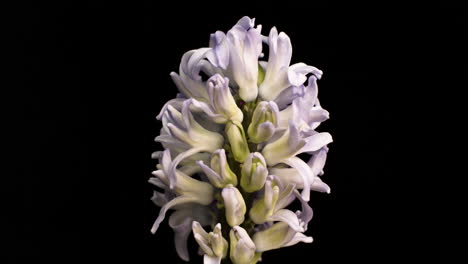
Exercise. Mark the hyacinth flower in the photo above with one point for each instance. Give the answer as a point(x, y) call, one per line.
point(213, 244)
point(230, 167)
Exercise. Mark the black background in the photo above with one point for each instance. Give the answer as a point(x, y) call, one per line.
point(91, 77)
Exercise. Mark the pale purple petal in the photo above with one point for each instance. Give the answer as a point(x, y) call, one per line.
point(172, 168)
point(176, 103)
point(181, 223)
point(319, 186)
point(162, 213)
point(246, 22)
point(219, 55)
point(306, 214)
point(316, 142)
point(218, 118)
point(276, 78)
point(212, 176)
point(159, 198)
point(317, 161)
point(304, 171)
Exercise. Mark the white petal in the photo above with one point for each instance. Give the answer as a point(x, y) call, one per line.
point(173, 166)
point(219, 55)
point(285, 116)
point(317, 162)
point(201, 106)
point(286, 196)
point(176, 103)
point(288, 176)
point(211, 260)
point(304, 171)
point(298, 237)
point(288, 145)
point(297, 73)
point(319, 186)
point(276, 78)
point(158, 180)
point(213, 177)
point(316, 142)
point(306, 214)
point(289, 218)
point(235, 207)
point(274, 237)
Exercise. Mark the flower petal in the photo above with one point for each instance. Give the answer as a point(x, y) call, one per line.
point(234, 203)
point(288, 217)
point(274, 237)
point(159, 198)
point(276, 78)
point(176, 103)
point(298, 237)
point(171, 172)
point(211, 260)
point(297, 73)
point(174, 202)
point(181, 223)
point(304, 171)
point(317, 162)
point(316, 142)
point(219, 55)
point(319, 186)
point(201, 106)
point(288, 145)
point(306, 214)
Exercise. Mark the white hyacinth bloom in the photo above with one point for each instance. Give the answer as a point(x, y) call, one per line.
point(221, 106)
point(234, 139)
point(279, 74)
point(237, 52)
point(212, 244)
point(186, 188)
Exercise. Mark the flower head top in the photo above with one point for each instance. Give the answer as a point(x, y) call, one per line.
point(232, 143)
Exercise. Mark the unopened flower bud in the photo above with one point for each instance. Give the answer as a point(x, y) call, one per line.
point(234, 205)
point(264, 122)
point(263, 208)
point(236, 136)
point(254, 172)
point(242, 248)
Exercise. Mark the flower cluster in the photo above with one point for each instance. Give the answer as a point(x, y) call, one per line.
point(231, 142)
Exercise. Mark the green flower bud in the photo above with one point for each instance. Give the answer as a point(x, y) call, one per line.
point(236, 136)
point(254, 172)
point(264, 122)
point(242, 248)
point(264, 207)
